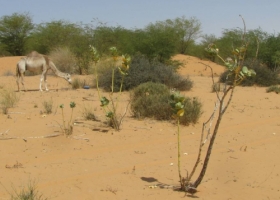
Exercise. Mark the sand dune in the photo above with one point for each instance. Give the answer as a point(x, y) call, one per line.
point(100, 163)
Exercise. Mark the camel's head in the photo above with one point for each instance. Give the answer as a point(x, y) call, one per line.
point(68, 78)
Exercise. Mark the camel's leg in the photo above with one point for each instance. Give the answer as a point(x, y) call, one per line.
point(41, 80)
point(22, 81)
point(44, 79)
point(18, 82)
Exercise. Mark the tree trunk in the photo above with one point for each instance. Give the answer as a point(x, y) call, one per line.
point(210, 147)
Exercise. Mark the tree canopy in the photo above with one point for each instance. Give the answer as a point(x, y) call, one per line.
point(14, 33)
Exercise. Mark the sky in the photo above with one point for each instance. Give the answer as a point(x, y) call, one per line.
point(214, 15)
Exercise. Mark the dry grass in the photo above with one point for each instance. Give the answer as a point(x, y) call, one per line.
point(8, 99)
point(64, 59)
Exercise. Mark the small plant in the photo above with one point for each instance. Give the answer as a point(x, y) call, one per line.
point(8, 99)
point(8, 73)
point(76, 83)
point(27, 193)
point(48, 106)
point(273, 88)
point(238, 72)
point(177, 105)
point(68, 130)
point(110, 106)
point(88, 114)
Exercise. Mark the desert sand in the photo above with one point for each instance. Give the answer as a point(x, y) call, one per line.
point(97, 162)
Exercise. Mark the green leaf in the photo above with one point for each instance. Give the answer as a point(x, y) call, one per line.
point(179, 106)
point(72, 104)
point(245, 70)
point(109, 114)
point(252, 72)
point(104, 101)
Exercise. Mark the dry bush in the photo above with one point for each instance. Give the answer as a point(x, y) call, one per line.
point(8, 73)
point(8, 99)
point(64, 59)
point(88, 114)
point(76, 83)
point(273, 88)
point(48, 106)
point(27, 193)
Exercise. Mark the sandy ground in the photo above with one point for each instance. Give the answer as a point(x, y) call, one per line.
point(97, 162)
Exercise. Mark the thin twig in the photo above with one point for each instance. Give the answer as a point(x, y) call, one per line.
point(32, 137)
point(5, 132)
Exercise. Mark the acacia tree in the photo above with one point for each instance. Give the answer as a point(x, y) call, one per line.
point(187, 31)
point(56, 34)
point(269, 53)
point(14, 32)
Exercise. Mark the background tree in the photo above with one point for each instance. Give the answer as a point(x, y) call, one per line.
point(105, 37)
point(14, 33)
point(187, 31)
point(55, 34)
point(157, 41)
point(269, 51)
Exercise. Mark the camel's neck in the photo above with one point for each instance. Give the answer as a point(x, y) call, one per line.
point(55, 70)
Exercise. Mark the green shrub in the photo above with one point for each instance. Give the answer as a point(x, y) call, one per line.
point(141, 71)
point(192, 111)
point(273, 88)
point(153, 100)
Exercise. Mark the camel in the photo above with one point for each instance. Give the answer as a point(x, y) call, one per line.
point(34, 62)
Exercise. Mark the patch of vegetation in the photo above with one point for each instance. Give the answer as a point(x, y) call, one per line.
point(8, 99)
point(265, 77)
point(153, 100)
point(64, 59)
point(8, 73)
point(67, 129)
point(273, 88)
point(141, 71)
point(76, 83)
point(192, 111)
point(88, 114)
point(27, 193)
point(48, 106)
point(110, 105)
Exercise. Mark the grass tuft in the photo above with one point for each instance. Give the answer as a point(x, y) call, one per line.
point(8, 99)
